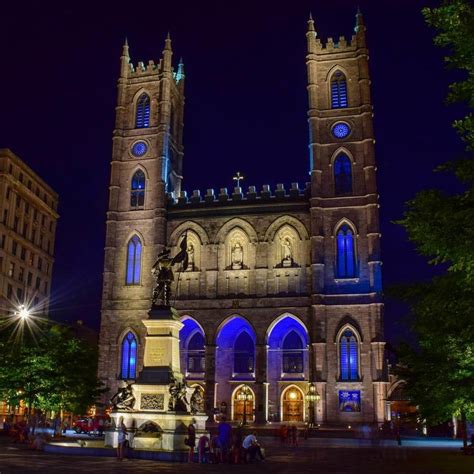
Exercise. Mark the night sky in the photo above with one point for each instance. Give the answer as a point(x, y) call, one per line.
point(245, 110)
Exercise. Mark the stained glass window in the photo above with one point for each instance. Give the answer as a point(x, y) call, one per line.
point(196, 353)
point(349, 357)
point(139, 149)
point(129, 357)
point(342, 175)
point(345, 253)
point(134, 257)
point(341, 130)
point(137, 193)
point(142, 119)
point(349, 400)
point(292, 353)
point(244, 354)
point(338, 91)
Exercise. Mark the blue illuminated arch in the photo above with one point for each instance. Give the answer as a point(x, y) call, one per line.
point(237, 335)
point(137, 190)
point(142, 115)
point(342, 175)
point(338, 90)
point(349, 355)
point(128, 365)
point(192, 343)
point(345, 252)
point(293, 360)
point(134, 261)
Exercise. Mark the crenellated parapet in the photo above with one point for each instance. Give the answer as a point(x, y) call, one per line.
point(224, 197)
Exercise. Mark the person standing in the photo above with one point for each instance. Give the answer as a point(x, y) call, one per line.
point(121, 440)
point(225, 439)
point(191, 441)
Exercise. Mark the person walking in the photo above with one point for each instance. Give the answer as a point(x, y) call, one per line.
point(122, 439)
point(191, 441)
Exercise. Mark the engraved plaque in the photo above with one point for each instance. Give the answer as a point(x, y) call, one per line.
point(152, 401)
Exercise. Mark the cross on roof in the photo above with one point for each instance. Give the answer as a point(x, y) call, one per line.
point(237, 178)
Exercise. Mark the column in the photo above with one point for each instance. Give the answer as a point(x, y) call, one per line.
point(210, 378)
point(260, 383)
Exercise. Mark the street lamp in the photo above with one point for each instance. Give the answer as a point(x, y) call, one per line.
point(312, 396)
point(245, 395)
point(23, 312)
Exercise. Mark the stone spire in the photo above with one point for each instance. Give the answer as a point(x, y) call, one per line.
point(311, 35)
point(167, 54)
point(360, 28)
point(124, 60)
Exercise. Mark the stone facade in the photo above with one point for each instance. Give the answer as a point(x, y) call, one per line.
point(27, 235)
point(265, 265)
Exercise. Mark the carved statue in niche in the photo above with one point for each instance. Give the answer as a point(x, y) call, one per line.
point(191, 265)
point(237, 257)
point(124, 398)
point(197, 401)
point(286, 252)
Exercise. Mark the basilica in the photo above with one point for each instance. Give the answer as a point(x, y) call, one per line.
point(282, 298)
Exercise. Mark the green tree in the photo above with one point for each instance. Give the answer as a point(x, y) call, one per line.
point(439, 369)
point(53, 371)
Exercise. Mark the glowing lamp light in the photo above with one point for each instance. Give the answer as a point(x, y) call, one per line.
point(293, 395)
point(23, 312)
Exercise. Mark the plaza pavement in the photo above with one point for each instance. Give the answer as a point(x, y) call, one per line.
point(333, 456)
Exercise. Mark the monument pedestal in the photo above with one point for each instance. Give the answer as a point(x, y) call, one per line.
point(152, 423)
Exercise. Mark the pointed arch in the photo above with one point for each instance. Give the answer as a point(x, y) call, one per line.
point(142, 111)
point(238, 407)
point(128, 356)
point(134, 260)
point(137, 189)
point(290, 221)
point(348, 344)
point(342, 174)
point(192, 340)
point(291, 322)
point(338, 88)
point(198, 229)
point(240, 223)
point(346, 261)
point(286, 398)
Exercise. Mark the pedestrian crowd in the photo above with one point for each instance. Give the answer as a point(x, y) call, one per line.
point(225, 445)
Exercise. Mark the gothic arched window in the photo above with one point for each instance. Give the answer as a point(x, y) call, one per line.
point(195, 359)
point(134, 260)
point(137, 191)
point(244, 354)
point(342, 175)
point(349, 356)
point(292, 353)
point(338, 91)
point(345, 253)
point(129, 357)
point(142, 117)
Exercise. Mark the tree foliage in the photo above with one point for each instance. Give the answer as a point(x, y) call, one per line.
point(439, 370)
point(52, 372)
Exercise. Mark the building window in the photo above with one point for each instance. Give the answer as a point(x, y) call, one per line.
point(29, 278)
point(5, 216)
point(2, 241)
point(9, 292)
point(338, 90)
point(244, 354)
point(129, 357)
point(23, 253)
point(18, 201)
point(21, 274)
point(346, 261)
point(349, 356)
point(11, 269)
point(292, 353)
point(134, 256)
point(342, 175)
point(40, 263)
point(142, 119)
point(137, 196)
point(25, 230)
point(27, 208)
point(29, 184)
point(14, 247)
point(15, 224)
point(38, 283)
point(8, 193)
point(195, 362)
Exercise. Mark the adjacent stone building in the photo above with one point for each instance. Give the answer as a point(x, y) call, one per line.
point(282, 296)
point(28, 215)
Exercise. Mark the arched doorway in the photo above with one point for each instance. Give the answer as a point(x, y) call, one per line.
point(243, 401)
point(292, 405)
